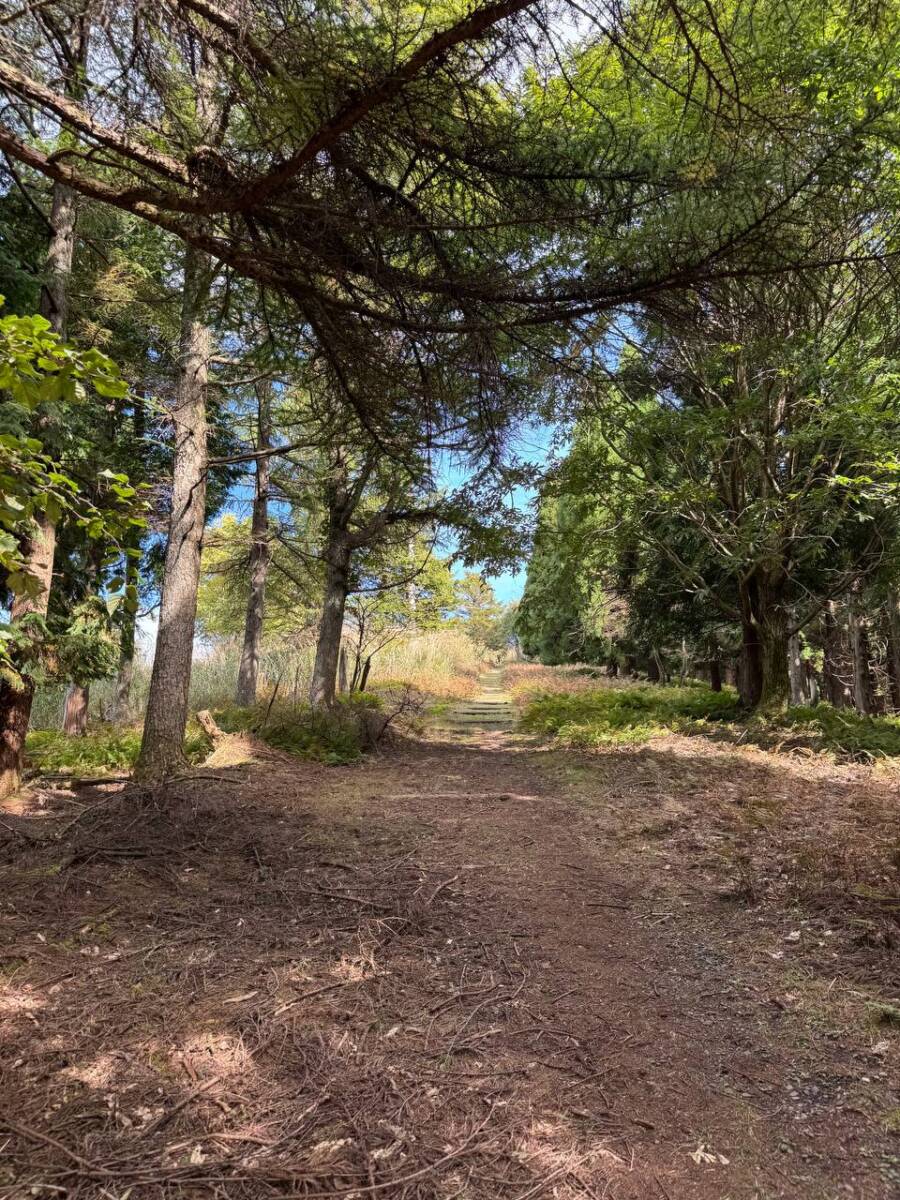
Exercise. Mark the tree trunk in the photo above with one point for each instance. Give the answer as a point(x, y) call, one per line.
point(862, 675)
point(60, 252)
point(342, 671)
point(796, 669)
point(15, 710)
point(364, 678)
point(39, 549)
point(763, 678)
point(685, 662)
point(837, 672)
point(120, 709)
point(331, 624)
point(749, 669)
point(715, 673)
point(662, 673)
point(776, 681)
point(16, 702)
point(75, 712)
point(260, 556)
point(162, 747)
point(893, 604)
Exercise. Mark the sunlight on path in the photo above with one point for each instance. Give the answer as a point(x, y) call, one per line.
point(489, 711)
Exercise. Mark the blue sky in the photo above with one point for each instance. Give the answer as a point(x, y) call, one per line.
point(531, 444)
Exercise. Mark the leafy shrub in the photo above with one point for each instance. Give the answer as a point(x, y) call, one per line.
point(625, 714)
point(101, 750)
point(106, 750)
point(621, 714)
point(846, 733)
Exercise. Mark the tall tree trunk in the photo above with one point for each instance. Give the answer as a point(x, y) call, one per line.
point(749, 667)
point(685, 662)
point(835, 671)
point(715, 672)
point(893, 605)
point(120, 709)
point(260, 556)
point(75, 711)
point(16, 700)
point(749, 664)
point(776, 682)
point(39, 549)
point(364, 677)
point(764, 681)
point(862, 674)
point(331, 624)
point(162, 747)
point(796, 669)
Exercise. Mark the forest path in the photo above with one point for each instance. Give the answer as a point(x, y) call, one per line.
point(475, 969)
point(668, 1052)
point(489, 710)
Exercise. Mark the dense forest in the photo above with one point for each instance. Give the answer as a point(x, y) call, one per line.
point(289, 293)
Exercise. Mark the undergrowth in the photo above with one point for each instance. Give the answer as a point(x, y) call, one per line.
point(615, 715)
point(605, 716)
point(846, 733)
point(333, 737)
point(100, 751)
point(443, 664)
point(330, 737)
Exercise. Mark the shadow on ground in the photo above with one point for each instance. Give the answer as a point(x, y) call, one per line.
point(424, 976)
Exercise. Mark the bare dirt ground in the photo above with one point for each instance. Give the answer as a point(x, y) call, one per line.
point(470, 967)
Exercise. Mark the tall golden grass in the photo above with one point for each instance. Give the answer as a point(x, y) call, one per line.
point(444, 664)
point(523, 681)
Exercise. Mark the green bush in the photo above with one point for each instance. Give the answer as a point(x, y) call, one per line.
point(616, 715)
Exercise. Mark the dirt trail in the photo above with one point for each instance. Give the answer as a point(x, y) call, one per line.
point(490, 709)
point(469, 968)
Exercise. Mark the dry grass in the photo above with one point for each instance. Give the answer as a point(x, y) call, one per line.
point(443, 664)
point(524, 681)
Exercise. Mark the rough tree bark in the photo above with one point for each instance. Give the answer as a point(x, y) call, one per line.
point(260, 556)
point(796, 669)
point(835, 671)
point(715, 672)
point(763, 679)
point(16, 701)
point(162, 747)
point(863, 696)
point(331, 623)
point(893, 606)
point(776, 681)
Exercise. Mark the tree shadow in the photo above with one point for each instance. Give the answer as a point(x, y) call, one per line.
point(280, 978)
